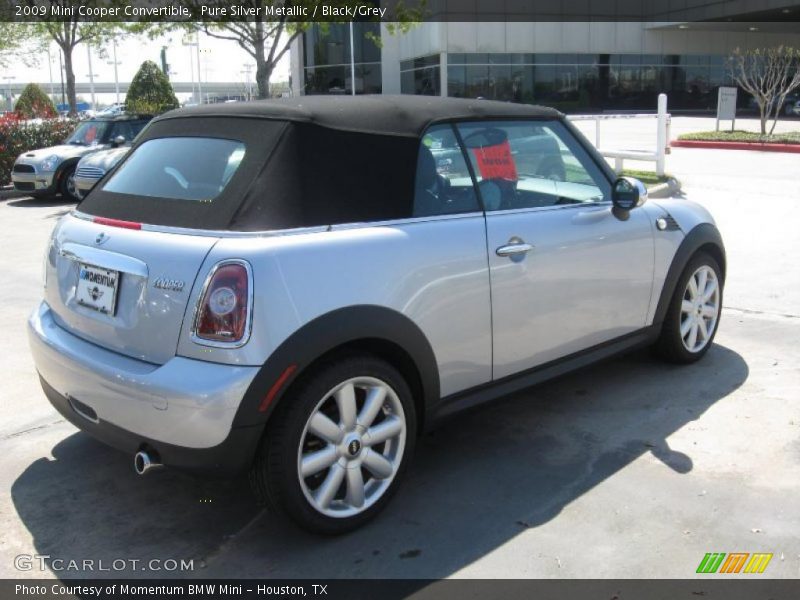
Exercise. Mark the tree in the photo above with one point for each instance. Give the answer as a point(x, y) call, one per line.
point(15, 44)
point(769, 75)
point(33, 103)
point(70, 32)
point(267, 35)
point(150, 91)
point(11, 36)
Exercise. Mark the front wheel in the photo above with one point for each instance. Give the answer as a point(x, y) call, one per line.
point(693, 315)
point(67, 185)
point(335, 450)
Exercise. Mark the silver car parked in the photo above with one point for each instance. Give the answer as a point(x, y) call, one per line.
point(48, 171)
point(92, 167)
point(296, 288)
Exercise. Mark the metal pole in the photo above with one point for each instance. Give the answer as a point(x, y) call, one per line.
point(199, 85)
point(91, 75)
point(116, 75)
point(50, 71)
point(61, 72)
point(661, 134)
point(191, 67)
point(352, 62)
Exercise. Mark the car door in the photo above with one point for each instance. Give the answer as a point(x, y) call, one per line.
point(566, 272)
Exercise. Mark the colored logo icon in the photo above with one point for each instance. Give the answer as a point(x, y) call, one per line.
point(735, 562)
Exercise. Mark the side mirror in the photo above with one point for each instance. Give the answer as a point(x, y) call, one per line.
point(118, 141)
point(628, 193)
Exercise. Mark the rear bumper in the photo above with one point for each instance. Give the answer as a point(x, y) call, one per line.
point(183, 409)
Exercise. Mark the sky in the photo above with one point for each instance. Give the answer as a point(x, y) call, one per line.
point(220, 60)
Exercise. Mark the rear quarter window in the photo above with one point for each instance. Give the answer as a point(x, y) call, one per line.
point(191, 168)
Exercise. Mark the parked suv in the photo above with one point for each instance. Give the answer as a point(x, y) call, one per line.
point(296, 289)
point(50, 171)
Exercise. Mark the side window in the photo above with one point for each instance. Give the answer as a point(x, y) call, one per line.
point(443, 185)
point(531, 164)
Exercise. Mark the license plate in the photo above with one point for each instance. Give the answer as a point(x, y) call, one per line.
point(97, 288)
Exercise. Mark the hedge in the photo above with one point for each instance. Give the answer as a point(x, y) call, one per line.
point(19, 137)
point(791, 137)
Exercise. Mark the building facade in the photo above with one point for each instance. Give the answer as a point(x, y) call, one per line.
point(574, 66)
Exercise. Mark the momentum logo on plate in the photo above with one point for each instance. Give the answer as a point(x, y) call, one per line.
point(735, 562)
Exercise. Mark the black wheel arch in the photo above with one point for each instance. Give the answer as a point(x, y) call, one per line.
point(67, 165)
point(370, 329)
point(702, 238)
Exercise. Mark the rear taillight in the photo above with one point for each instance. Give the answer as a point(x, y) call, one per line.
point(223, 315)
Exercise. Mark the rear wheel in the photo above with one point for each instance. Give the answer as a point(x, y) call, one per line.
point(336, 449)
point(694, 311)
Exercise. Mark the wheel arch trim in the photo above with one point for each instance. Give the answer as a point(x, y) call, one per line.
point(704, 235)
point(340, 329)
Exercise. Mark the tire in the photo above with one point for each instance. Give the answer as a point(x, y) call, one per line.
point(309, 422)
point(688, 310)
point(66, 185)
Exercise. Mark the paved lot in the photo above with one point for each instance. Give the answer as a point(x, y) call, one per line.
point(631, 468)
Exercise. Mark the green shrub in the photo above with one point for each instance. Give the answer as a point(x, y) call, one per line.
point(19, 137)
point(33, 103)
point(150, 91)
point(790, 137)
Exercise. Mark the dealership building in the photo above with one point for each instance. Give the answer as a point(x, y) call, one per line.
point(573, 65)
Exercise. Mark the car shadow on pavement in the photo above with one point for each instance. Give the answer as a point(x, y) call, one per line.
point(55, 201)
point(476, 483)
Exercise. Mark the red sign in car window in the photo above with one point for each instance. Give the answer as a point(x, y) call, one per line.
point(496, 162)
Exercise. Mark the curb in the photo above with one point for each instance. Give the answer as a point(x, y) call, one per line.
point(664, 190)
point(758, 146)
point(7, 192)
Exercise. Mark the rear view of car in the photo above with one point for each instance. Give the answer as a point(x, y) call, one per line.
point(297, 288)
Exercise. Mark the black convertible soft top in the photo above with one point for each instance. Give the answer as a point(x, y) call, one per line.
point(313, 160)
point(376, 114)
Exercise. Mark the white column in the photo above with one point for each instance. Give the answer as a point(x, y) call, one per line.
point(661, 135)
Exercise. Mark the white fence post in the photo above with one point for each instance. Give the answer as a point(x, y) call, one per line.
point(661, 134)
point(597, 133)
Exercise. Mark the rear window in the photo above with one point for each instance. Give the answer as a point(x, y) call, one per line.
point(190, 168)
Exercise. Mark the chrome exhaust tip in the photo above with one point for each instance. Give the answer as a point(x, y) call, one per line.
point(143, 462)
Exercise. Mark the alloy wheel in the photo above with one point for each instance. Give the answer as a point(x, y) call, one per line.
point(699, 309)
point(351, 447)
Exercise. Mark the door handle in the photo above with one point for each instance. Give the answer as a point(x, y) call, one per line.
point(514, 247)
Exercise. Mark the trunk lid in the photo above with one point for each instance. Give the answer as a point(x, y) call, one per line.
point(146, 277)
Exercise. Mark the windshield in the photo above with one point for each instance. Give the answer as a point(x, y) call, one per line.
point(88, 133)
point(188, 168)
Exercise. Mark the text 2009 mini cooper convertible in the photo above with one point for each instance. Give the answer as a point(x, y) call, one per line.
point(299, 288)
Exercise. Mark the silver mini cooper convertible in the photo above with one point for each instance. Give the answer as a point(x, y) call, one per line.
point(299, 288)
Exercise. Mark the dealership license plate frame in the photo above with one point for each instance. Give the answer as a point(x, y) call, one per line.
point(83, 291)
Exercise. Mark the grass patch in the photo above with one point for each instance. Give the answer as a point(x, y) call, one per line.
point(792, 137)
point(648, 178)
